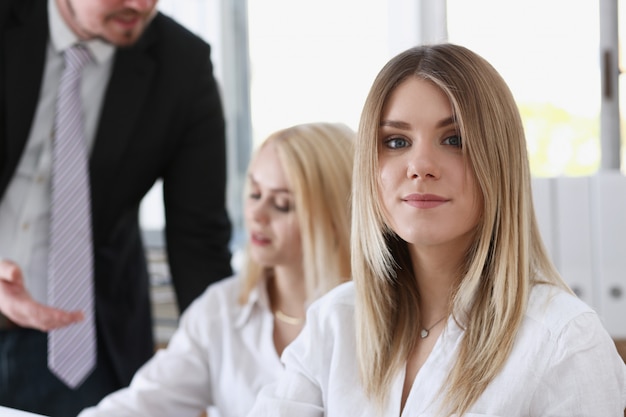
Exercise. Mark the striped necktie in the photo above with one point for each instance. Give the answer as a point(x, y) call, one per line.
point(71, 349)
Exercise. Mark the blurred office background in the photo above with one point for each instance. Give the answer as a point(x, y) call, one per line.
point(282, 62)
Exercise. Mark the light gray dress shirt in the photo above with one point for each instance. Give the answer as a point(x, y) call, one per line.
point(25, 206)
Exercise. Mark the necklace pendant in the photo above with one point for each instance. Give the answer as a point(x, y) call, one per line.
point(424, 333)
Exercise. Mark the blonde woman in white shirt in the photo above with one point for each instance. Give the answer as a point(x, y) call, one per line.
point(455, 308)
point(228, 344)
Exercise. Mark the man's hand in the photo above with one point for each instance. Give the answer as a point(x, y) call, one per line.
point(19, 307)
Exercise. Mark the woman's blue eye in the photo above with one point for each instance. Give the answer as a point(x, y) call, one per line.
point(396, 143)
point(453, 141)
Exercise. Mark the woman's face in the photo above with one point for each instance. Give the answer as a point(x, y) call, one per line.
point(270, 215)
point(428, 190)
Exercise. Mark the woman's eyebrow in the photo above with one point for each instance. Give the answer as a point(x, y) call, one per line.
point(273, 190)
point(446, 122)
point(395, 124)
point(450, 120)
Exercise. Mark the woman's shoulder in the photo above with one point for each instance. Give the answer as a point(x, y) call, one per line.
point(335, 309)
point(217, 299)
point(226, 288)
point(556, 310)
point(330, 330)
point(339, 297)
point(553, 304)
point(572, 350)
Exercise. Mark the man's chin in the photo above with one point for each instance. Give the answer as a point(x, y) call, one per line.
point(121, 39)
point(118, 33)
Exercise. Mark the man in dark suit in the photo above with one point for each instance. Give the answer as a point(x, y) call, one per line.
point(152, 110)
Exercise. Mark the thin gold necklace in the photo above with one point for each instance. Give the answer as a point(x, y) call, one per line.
point(294, 321)
point(425, 332)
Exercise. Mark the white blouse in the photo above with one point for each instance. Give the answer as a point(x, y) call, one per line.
point(563, 364)
point(221, 355)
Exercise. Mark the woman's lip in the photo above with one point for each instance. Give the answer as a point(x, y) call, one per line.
point(258, 239)
point(424, 197)
point(424, 200)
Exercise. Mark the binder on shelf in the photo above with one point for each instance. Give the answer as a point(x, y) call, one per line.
point(609, 227)
point(572, 234)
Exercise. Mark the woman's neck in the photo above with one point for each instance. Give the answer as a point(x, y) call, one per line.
point(287, 291)
point(287, 294)
point(437, 273)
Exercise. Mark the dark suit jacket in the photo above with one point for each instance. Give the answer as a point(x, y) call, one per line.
point(161, 118)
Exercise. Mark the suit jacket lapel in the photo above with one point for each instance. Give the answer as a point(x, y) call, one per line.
point(23, 77)
point(130, 82)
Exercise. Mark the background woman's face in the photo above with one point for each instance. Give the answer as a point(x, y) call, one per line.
point(270, 212)
point(427, 187)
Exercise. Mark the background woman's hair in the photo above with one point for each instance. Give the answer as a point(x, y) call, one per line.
point(317, 159)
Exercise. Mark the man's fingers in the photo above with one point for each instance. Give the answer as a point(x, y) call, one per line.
point(28, 313)
point(47, 318)
point(9, 271)
point(18, 305)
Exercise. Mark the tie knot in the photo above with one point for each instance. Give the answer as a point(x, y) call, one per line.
point(77, 56)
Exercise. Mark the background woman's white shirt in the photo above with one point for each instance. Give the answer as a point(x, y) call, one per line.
point(221, 355)
point(563, 363)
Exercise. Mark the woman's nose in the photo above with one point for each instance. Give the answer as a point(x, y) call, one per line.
point(258, 212)
point(422, 161)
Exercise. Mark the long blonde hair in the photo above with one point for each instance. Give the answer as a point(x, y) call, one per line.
point(505, 260)
point(317, 158)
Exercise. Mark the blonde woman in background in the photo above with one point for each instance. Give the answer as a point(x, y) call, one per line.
point(228, 344)
point(455, 308)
